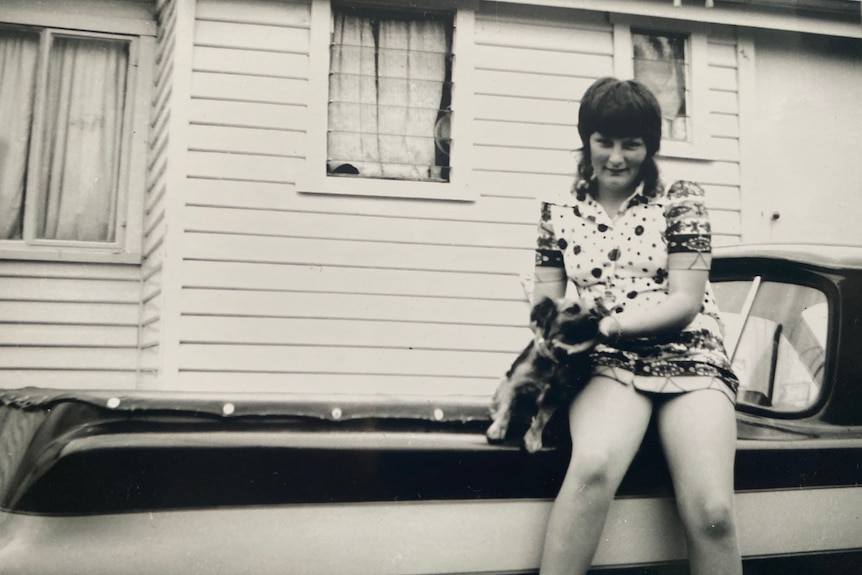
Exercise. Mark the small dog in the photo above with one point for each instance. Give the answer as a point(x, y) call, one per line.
point(536, 385)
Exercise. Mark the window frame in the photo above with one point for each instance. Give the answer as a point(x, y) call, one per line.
point(314, 179)
point(805, 280)
point(127, 245)
point(697, 146)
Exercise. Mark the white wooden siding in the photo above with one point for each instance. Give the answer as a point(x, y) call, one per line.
point(247, 284)
point(297, 292)
point(127, 16)
point(72, 325)
point(724, 193)
point(155, 217)
point(68, 325)
point(346, 293)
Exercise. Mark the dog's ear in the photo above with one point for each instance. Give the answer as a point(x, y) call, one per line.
point(543, 311)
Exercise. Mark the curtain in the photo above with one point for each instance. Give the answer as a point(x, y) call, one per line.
point(19, 53)
point(82, 133)
point(659, 63)
point(386, 87)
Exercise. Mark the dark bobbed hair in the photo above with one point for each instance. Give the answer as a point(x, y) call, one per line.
point(621, 109)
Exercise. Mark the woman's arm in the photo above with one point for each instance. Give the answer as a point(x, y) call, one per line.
point(686, 289)
point(548, 282)
point(549, 275)
point(688, 236)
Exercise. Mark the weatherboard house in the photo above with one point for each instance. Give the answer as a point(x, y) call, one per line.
point(339, 197)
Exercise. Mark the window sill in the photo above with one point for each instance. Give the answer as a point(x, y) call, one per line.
point(379, 188)
point(68, 255)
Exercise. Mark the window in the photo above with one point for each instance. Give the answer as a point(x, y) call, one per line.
point(389, 100)
point(389, 95)
point(673, 63)
point(776, 335)
point(66, 111)
point(660, 64)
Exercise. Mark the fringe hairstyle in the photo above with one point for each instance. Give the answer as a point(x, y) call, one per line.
point(621, 109)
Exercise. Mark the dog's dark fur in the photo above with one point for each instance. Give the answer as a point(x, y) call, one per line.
point(536, 385)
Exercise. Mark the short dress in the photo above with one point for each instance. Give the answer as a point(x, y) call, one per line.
point(623, 263)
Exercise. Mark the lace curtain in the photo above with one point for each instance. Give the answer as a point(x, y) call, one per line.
point(386, 86)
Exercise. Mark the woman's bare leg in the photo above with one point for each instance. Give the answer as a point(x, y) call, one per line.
point(608, 421)
point(698, 433)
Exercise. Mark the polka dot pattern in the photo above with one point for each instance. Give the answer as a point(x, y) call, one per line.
point(622, 259)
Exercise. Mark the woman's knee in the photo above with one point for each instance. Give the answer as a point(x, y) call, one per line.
point(592, 471)
point(713, 519)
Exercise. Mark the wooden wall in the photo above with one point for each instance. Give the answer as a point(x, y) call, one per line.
point(306, 292)
point(68, 325)
point(155, 203)
point(71, 325)
point(247, 284)
point(804, 147)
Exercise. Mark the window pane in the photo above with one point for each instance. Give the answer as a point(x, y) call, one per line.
point(19, 54)
point(389, 96)
point(660, 64)
point(781, 354)
point(81, 139)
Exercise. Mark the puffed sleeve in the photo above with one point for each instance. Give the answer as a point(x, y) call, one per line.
point(688, 233)
point(548, 252)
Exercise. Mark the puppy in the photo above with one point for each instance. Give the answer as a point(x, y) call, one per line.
point(536, 385)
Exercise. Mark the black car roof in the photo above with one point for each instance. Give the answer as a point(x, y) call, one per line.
point(838, 257)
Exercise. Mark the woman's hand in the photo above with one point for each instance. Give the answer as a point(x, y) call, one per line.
point(610, 330)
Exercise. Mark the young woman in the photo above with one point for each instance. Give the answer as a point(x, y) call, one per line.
point(643, 253)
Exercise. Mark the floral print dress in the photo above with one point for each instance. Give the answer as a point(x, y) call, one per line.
point(622, 262)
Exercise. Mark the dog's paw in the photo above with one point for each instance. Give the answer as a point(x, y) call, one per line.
point(532, 442)
point(496, 433)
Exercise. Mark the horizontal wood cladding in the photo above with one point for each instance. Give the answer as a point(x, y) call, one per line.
point(71, 335)
point(329, 252)
point(251, 167)
point(344, 333)
point(358, 360)
point(263, 89)
point(270, 116)
point(61, 314)
point(345, 294)
point(245, 62)
point(334, 305)
point(63, 358)
point(324, 279)
point(362, 228)
point(263, 37)
point(127, 16)
point(238, 140)
point(71, 290)
point(327, 383)
point(68, 325)
point(266, 12)
point(127, 9)
point(65, 378)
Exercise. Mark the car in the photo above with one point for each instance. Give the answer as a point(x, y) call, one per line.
point(138, 482)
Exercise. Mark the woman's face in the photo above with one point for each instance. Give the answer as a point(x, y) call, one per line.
point(617, 161)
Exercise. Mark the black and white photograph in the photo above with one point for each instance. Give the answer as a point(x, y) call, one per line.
point(430, 287)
